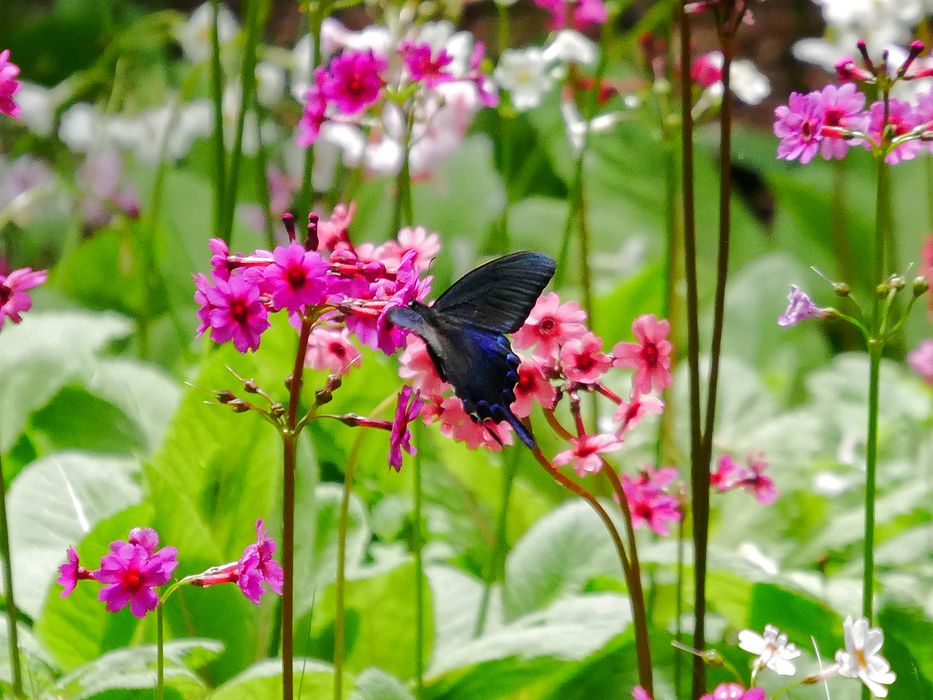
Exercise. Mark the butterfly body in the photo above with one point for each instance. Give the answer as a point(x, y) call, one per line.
point(464, 331)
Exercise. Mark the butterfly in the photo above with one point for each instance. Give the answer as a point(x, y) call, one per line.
point(465, 328)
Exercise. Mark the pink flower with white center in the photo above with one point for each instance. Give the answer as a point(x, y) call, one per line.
point(457, 424)
point(532, 387)
point(549, 325)
point(902, 119)
point(256, 566)
point(331, 350)
point(584, 455)
point(647, 501)
point(650, 356)
point(799, 308)
point(862, 657)
point(9, 85)
point(132, 571)
point(233, 310)
point(13, 297)
point(799, 125)
point(71, 572)
point(315, 110)
point(577, 14)
point(734, 691)
point(417, 367)
point(353, 80)
point(843, 108)
point(422, 66)
point(583, 360)
point(921, 360)
point(629, 413)
point(408, 409)
point(296, 279)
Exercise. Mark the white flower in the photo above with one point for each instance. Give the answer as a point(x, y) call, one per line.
point(861, 658)
point(37, 106)
point(83, 127)
point(570, 46)
point(772, 650)
point(270, 83)
point(577, 127)
point(194, 36)
point(524, 74)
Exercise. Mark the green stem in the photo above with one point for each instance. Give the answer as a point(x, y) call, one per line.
point(418, 546)
point(502, 27)
point(497, 557)
point(340, 614)
point(12, 615)
point(315, 18)
point(160, 653)
point(217, 94)
point(289, 455)
point(403, 204)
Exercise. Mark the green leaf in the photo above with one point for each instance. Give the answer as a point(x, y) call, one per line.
point(263, 681)
point(799, 617)
point(375, 684)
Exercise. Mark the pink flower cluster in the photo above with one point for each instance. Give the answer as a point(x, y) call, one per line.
point(13, 292)
point(648, 500)
point(353, 287)
point(730, 475)
point(734, 691)
point(9, 85)
point(834, 119)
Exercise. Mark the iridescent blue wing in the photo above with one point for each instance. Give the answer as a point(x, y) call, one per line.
point(499, 295)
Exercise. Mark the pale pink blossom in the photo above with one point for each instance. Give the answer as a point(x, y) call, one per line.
point(532, 387)
point(585, 451)
point(582, 359)
point(331, 350)
point(650, 356)
point(630, 412)
point(549, 325)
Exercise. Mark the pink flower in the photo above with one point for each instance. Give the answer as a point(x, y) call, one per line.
point(13, 288)
point(799, 125)
point(71, 572)
point(485, 88)
point(315, 110)
point(706, 70)
point(132, 571)
point(901, 120)
point(578, 14)
point(582, 359)
point(532, 386)
point(921, 360)
point(353, 80)
point(256, 566)
point(233, 310)
point(648, 502)
point(422, 66)
point(334, 230)
point(630, 412)
point(408, 408)
point(726, 475)
point(418, 367)
point(549, 325)
point(331, 350)
point(734, 691)
point(585, 453)
point(296, 279)
point(731, 475)
point(9, 85)
point(799, 308)
point(639, 693)
point(425, 244)
point(843, 108)
point(650, 356)
point(460, 426)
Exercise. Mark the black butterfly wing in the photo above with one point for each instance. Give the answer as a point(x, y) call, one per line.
point(499, 295)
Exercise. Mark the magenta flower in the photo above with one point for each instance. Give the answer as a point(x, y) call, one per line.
point(13, 288)
point(734, 691)
point(132, 571)
point(902, 119)
point(353, 80)
point(730, 475)
point(71, 572)
point(630, 412)
point(921, 360)
point(584, 455)
point(257, 566)
point(331, 350)
point(799, 125)
point(232, 309)
point(532, 387)
point(422, 66)
point(726, 475)
point(549, 325)
point(315, 110)
point(648, 503)
point(639, 693)
point(578, 14)
point(296, 279)
point(799, 308)
point(650, 356)
point(706, 70)
point(408, 409)
point(843, 108)
point(9, 85)
point(583, 360)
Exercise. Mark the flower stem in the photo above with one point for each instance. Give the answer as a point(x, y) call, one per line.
point(217, 93)
point(340, 614)
point(289, 453)
point(12, 615)
point(160, 653)
point(315, 19)
point(418, 546)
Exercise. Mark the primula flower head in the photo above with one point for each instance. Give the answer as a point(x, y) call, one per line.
point(647, 501)
point(296, 278)
point(650, 356)
point(629, 413)
point(902, 118)
point(532, 386)
point(235, 310)
point(131, 572)
point(585, 451)
point(772, 650)
point(13, 297)
point(408, 409)
point(549, 325)
point(862, 657)
point(331, 350)
point(843, 108)
point(257, 567)
point(799, 125)
point(424, 67)
point(9, 85)
point(582, 359)
point(353, 80)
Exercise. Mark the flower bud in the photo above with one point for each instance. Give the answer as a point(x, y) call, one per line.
point(277, 410)
point(251, 386)
point(224, 396)
point(841, 289)
point(896, 282)
point(881, 291)
point(322, 396)
point(713, 658)
point(238, 405)
point(921, 285)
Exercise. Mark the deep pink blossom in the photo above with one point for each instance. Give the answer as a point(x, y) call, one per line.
point(630, 412)
point(585, 451)
point(577, 14)
point(233, 309)
point(902, 119)
point(549, 325)
point(9, 85)
point(921, 360)
point(220, 264)
point(408, 409)
point(706, 70)
point(13, 297)
point(843, 108)
point(730, 475)
point(145, 537)
point(532, 387)
point(583, 360)
point(296, 279)
point(71, 572)
point(424, 67)
point(726, 475)
point(648, 503)
point(734, 691)
point(331, 350)
point(650, 356)
point(418, 367)
point(457, 424)
point(353, 80)
point(799, 308)
point(485, 88)
point(799, 125)
point(256, 566)
point(131, 572)
point(847, 70)
point(315, 110)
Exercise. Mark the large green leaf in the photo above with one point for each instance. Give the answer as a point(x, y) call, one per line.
point(375, 684)
point(263, 681)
